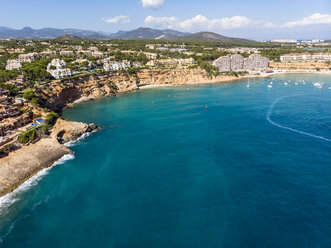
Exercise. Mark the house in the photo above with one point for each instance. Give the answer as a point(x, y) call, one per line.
point(66, 53)
point(151, 55)
point(48, 53)
point(57, 69)
point(115, 66)
point(295, 57)
point(13, 64)
point(172, 62)
point(97, 54)
point(29, 57)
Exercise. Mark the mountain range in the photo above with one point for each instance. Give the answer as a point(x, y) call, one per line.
point(140, 33)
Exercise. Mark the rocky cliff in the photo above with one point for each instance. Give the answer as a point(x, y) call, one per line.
point(61, 93)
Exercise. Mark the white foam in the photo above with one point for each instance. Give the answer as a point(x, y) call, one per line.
point(7, 200)
point(72, 143)
point(288, 128)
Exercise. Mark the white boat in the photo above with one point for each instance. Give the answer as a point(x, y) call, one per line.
point(269, 86)
point(285, 83)
point(318, 85)
point(247, 85)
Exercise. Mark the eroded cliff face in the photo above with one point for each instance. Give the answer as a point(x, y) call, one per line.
point(60, 94)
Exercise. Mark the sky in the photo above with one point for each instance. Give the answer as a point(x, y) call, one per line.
point(253, 19)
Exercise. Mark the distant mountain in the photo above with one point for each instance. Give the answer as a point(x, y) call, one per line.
point(46, 33)
point(4, 28)
point(149, 33)
point(140, 33)
point(210, 36)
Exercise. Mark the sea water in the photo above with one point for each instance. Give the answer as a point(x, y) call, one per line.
point(220, 165)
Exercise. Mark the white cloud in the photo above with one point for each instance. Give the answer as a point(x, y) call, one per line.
point(316, 18)
point(152, 4)
point(117, 20)
point(200, 22)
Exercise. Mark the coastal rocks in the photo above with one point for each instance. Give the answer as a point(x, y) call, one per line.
point(66, 131)
point(20, 165)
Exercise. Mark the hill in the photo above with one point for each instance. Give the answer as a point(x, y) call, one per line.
point(149, 33)
point(140, 33)
point(45, 33)
point(210, 36)
point(68, 37)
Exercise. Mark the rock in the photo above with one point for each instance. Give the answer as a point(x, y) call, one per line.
point(21, 164)
point(65, 131)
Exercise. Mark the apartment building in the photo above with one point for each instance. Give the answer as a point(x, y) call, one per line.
point(239, 63)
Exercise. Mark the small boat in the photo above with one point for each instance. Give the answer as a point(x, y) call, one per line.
point(318, 85)
point(285, 83)
point(269, 86)
point(247, 85)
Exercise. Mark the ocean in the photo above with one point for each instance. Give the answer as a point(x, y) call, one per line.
point(215, 165)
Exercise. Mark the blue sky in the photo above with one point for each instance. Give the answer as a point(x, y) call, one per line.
point(253, 19)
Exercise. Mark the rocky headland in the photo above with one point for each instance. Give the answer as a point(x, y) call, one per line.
point(21, 164)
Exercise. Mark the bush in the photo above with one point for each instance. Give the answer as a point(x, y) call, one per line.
point(28, 136)
point(51, 118)
point(29, 95)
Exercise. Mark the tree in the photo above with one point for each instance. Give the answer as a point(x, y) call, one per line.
point(51, 118)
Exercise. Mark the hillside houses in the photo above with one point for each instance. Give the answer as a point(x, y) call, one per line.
point(11, 117)
point(172, 62)
point(66, 53)
point(28, 58)
point(237, 62)
point(294, 57)
point(57, 69)
point(109, 65)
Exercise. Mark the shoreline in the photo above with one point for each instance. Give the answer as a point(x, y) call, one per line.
point(53, 149)
point(21, 165)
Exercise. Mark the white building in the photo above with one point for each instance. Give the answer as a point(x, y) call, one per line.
point(66, 53)
point(295, 57)
point(239, 63)
point(57, 69)
point(29, 57)
point(13, 64)
point(115, 66)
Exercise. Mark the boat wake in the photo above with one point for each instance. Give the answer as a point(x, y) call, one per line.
point(269, 114)
point(9, 199)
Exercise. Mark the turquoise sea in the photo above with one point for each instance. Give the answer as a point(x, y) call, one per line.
point(221, 165)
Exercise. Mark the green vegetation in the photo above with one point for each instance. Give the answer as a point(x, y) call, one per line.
point(28, 136)
point(51, 118)
point(31, 96)
point(274, 54)
point(36, 71)
point(210, 69)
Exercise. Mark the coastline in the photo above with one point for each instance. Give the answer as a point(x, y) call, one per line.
point(23, 164)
